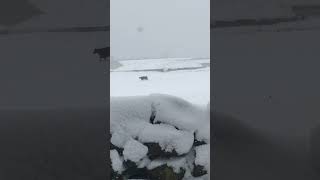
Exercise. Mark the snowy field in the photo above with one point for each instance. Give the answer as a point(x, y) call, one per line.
point(160, 122)
point(185, 78)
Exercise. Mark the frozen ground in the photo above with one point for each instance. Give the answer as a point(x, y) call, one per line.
point(191, 83)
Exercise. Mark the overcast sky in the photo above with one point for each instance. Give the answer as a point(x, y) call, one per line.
point(159, 28)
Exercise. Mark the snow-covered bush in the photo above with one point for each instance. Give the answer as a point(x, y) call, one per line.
point(159, 137)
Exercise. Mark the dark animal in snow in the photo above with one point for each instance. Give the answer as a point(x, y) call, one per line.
point(143, 78)
point(103, 53)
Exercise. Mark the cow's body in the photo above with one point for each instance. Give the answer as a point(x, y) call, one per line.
point(143, 78)
point(103, 53)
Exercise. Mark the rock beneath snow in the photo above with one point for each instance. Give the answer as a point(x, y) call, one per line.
point(119, 150)
point(158, 137)
point(133, 171)
point(170, 140)
point(203, 156)
point(198, 171)
point(198, 143)
point(155, 151)
point(116, 165)
point(116, 161)
point(116, 176)
point(134, 151)
point(165, 172)
point(202, 160)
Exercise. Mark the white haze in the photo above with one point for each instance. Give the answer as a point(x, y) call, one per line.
point(159, 29)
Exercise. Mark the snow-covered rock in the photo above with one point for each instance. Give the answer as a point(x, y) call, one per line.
point(134, 151)
point(116, 161)
point(161, 136)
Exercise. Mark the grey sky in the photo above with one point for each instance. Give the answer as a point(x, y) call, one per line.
point(159, 28)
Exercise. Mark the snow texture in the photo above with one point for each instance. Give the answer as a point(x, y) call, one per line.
point(203, 156)
point(175, 123)
point(191, 84)
point(152, 64)
point(116, 161)
point(130, 118)
point(173, 118)
point(168, 138)
point(134, 151)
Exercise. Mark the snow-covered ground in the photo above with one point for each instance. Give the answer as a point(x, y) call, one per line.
point(169, 110)
point(161, 64)
point(191, 83)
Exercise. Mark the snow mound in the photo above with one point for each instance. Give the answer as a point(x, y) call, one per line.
point(168, 137)
point(131, 117)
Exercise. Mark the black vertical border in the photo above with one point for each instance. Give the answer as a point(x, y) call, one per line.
point(107, 73)
point(212, 67)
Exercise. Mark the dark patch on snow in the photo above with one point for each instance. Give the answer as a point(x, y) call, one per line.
point(155, 151)
point(197, 142)
point(143, 78)
point(153, 113)
point(198, 171)
point(119, 150)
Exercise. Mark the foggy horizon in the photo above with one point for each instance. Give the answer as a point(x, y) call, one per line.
point(154, 29)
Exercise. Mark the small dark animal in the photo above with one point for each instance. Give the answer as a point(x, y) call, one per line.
point(103, 53)
point(143, 78)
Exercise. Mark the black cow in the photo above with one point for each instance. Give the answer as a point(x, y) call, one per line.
point(143, 78)
point(103, 53)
